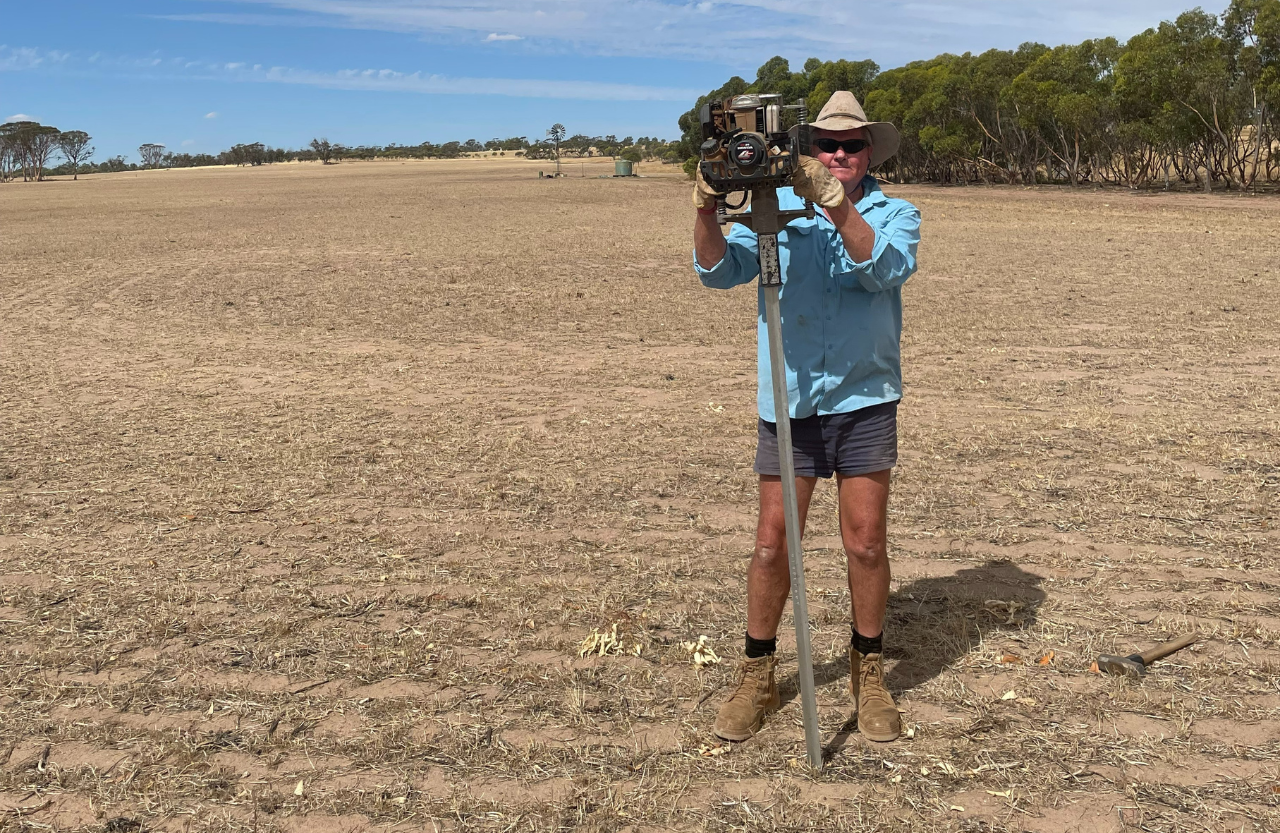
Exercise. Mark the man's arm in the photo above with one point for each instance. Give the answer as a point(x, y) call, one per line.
point(859, 237)
point(814, 182)
point(708, 241)
point(709, 244)
point(877, 259)
point(720, 263)
point(723, 263)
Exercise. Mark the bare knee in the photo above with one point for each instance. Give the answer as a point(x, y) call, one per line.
point(771, 551)
point(865, 554)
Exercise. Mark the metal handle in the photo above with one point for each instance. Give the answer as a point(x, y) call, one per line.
point(790, 505)
point(766, 220)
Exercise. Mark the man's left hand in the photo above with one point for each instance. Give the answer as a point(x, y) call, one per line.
point(704, 196)
point(814, 182)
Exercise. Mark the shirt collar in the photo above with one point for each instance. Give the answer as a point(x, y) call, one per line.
point(871, 194)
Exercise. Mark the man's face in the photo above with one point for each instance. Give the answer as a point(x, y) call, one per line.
point(848, 168)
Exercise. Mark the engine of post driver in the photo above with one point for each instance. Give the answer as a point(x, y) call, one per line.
point(745, 145)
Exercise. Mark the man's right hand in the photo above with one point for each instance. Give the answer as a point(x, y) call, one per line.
point(814, 182)
point(704, 196)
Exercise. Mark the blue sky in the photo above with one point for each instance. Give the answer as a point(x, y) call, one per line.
point(202, 75)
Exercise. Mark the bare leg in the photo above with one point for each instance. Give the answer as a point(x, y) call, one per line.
point(768, 578)
point(864, 505)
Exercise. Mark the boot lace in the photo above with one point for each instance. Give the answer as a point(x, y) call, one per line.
point(872, 683)
point(747, 683)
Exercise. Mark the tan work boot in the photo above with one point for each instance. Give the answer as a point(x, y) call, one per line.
point(757, 694)
point(878, 718)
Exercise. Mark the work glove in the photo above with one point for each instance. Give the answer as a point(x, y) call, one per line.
point(814, 182)
point(704, 196)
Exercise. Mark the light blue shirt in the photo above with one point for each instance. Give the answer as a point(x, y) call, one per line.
point(841, 320)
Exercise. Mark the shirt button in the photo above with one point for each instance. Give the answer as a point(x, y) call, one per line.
point(828, 317)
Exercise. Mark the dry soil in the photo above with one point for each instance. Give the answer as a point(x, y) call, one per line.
point(314, 480)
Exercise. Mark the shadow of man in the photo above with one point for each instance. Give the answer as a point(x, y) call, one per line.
point(932, 622)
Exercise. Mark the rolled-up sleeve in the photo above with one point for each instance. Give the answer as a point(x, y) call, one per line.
point(893, 257)
point(739, 265)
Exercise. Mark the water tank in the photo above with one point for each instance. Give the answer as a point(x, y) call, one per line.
point(622, 167)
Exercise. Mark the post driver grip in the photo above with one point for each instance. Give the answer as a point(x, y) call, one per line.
point(1162, 651)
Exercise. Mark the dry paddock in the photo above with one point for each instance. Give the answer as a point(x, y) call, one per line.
point(314, 479)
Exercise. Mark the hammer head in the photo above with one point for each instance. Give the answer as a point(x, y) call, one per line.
point(1122, 666)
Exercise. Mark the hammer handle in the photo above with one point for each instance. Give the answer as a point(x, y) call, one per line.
point(1162, 651)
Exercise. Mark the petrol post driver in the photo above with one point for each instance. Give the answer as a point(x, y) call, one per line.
point(746, 149)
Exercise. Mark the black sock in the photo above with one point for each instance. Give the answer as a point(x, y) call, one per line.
point(757, 648)
point(867, 644)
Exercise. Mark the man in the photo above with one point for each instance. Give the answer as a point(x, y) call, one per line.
point(841, 324)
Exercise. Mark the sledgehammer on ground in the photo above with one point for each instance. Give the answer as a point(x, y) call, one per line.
point(1135, 665)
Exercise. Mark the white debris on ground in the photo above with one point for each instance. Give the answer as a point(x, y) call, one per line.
point(702, 652)
point(600, 644)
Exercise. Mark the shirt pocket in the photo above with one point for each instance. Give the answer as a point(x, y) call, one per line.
point(802, 226)
point(799, 252)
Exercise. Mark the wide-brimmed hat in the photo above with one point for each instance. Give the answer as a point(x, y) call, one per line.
point(843, 112)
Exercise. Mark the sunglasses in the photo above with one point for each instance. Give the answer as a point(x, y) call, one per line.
point(851, 146)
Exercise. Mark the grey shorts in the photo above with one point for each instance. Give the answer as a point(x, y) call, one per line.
point(859, 442)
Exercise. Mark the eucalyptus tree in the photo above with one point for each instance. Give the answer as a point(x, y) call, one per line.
point(152, 154)
point(1064, 94)
point(8, 154)
point(939, 141)
point(1182, 72)
point(1009, 149)
point(323, 150)
point(825, 78)
point(74, 145)
point(1252, 31)
point(31, 144)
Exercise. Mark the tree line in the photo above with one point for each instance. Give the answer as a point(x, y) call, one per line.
point(577, 146)
point(1194, 101)
point(28, 149)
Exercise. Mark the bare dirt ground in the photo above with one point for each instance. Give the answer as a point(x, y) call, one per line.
point(314, 480)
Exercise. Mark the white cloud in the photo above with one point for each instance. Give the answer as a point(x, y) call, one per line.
point(388, 80)
point(24, 57)
point(737, 32)
point(19, 117)
point(186, 143)
point(493, 36)
point(212, 115)
point(385, 80)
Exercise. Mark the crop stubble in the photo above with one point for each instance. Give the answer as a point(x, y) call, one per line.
point(313, 480)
